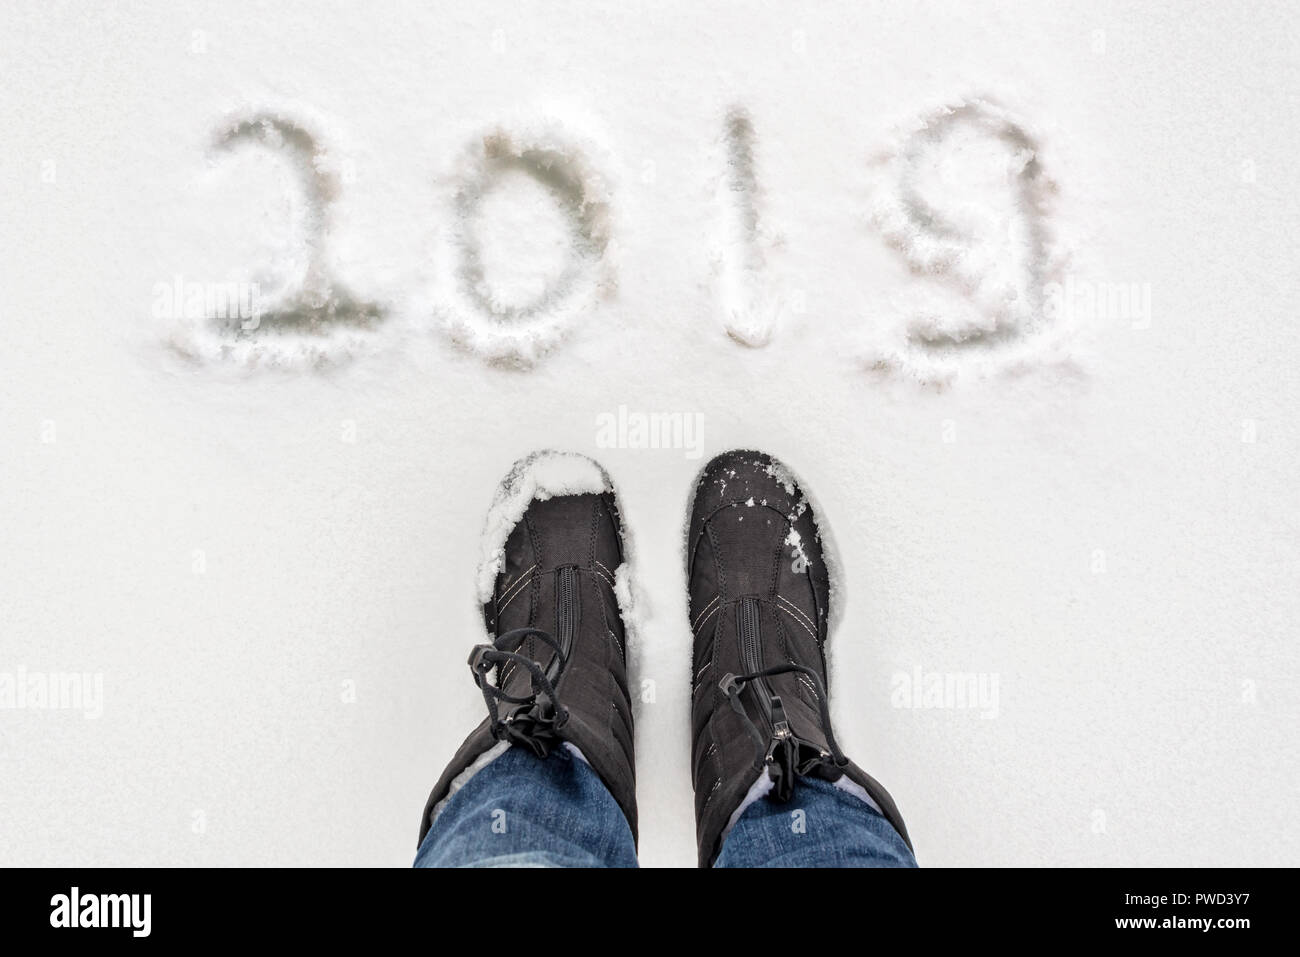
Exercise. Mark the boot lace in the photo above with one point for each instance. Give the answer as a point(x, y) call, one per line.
point(532, 719)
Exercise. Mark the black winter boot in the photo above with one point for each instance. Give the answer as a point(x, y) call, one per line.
point(555, 670)
point(759, 597)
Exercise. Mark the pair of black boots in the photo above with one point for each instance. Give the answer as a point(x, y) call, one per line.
point(556, 669)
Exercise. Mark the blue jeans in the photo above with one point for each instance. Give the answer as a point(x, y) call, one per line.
point(525, 811)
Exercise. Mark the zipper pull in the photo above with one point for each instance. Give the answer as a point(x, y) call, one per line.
point(780, 724)
point(781, 754)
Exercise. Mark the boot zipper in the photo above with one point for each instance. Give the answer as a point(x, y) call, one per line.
point(780, 754)
point(751, 650)
point(566, 606)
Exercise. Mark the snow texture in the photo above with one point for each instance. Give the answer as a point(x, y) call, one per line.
point(287, 289)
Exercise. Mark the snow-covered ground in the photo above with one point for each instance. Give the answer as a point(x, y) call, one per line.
point(1010, 285)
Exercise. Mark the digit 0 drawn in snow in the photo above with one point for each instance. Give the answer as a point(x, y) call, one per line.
point(750, 311)
point(303, 315)
point(964, 198)
point(527, 247)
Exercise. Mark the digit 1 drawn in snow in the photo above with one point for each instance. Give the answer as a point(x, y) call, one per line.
point(750, 312)
point(525, 248)
point(963, 197)
point(313, 299)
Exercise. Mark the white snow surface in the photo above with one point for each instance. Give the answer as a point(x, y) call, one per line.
point(1008, 285)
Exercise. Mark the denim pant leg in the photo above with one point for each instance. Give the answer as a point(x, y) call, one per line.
point(525, 811)
point(821, 826)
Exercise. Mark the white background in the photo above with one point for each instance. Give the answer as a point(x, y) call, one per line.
point(1147, 705)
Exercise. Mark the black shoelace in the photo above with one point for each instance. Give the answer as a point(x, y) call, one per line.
point(535, 717)
point(731, 686)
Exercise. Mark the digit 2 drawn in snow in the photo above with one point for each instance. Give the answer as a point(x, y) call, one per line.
point(963, 197)
point(525, 247)
point(304, 313)
point(315, 298)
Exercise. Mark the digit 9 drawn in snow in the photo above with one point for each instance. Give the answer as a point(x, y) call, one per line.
point(525, 245)
point(964, 198)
